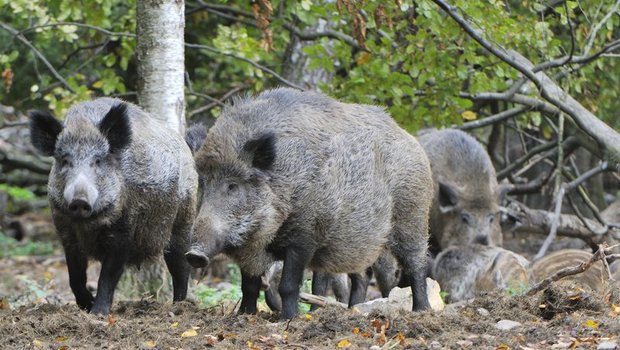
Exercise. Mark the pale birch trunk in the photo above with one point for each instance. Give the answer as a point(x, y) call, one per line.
point(161, 68)
point(160, 54)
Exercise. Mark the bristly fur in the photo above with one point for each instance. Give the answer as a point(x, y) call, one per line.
point(262, 150)
point(116, 127)
point(134, 182)
point(44, 130)
point(466, 202)
point(344, 182)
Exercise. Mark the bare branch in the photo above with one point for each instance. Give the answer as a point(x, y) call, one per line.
point(496, 118)
point(607, 138)
point(312, 35)
point(26, 42)
point(254, 64)
point(81, 25)
point(569, 271)
point(598, 26)
point(216, 101)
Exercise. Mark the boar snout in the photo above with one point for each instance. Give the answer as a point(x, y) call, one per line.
point(80, 208)
point(196, 258)
point(481, 239)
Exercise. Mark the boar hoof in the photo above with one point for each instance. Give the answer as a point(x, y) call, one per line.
point(196, 259)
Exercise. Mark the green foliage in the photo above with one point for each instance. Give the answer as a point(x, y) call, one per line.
point(416, 60)
point(17, 193)
point(10, 247)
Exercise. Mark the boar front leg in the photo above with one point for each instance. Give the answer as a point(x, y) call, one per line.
point(77, 264)
point(112, 268)
point(296, 258)
point(174, 255)
point(250, 289)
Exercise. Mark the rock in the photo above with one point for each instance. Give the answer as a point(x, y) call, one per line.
point(607, 345)
point(400, 299)
point(506, 325)
point(483, 312)
point(435, 345)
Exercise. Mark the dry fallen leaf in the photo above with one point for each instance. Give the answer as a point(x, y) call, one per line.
point(174, 325)
point(591, 324)
point(615, 310)
point(111, 320)
point(38, 343)
point(61, 338)
point(356, 330)
point(149, 344)
point(189, 333)
point(344, 343)
point(502, 347)
point(308, 317)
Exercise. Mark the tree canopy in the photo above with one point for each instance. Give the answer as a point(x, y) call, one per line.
point(407, 55)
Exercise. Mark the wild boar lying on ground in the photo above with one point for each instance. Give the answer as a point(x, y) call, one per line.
point(299, 177)
point(466, 202)
point(464, 271)
point(122, 190)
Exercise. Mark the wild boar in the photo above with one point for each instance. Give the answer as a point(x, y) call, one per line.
point(465, 207)
point(299, 177)
point(122, 190)
point(464, 271)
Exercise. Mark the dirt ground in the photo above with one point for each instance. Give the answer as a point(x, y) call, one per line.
point(48, 319)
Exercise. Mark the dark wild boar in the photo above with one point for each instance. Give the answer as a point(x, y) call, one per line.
point(122, 190)
point(299, 177)
point(466, 203)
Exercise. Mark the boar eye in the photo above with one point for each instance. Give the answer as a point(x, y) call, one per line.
point(232, 187)
point(491, 218)
point(466, 218)
point(65, 162)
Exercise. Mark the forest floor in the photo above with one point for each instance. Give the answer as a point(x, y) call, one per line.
point(47, 318)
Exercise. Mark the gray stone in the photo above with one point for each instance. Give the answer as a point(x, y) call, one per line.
point(506, 325)
point(607, 345)
point(483, 312)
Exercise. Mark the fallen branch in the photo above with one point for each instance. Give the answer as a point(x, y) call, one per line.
point(569, 271)
point(519, 218)
point(319, 301)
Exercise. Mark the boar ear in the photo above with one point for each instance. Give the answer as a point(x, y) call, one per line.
point(195, 136)
point(448, 196)
point(262, 151)
point(116, 128)
point(44, 130)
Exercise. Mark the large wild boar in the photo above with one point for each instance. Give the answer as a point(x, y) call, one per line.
point(299, 177)
point(122, 190)
point(465, 271)
point(466, 202)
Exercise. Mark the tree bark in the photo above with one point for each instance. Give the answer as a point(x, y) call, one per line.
point(161, 73)
point(161, 65)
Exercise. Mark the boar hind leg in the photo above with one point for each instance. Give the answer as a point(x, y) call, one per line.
point(112, 268)
point(320, 282)
point(76, 265)
point(410, 251)
point(174, 255)
point(359, 286)
point(250, 289)
point(296, 258)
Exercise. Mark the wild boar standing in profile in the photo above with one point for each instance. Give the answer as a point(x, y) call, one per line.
point(467, 197)
point(299, 177)
point(122, 190)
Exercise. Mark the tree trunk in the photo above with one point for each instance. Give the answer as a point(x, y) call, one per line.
point(161, 65)
point(161, 68)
